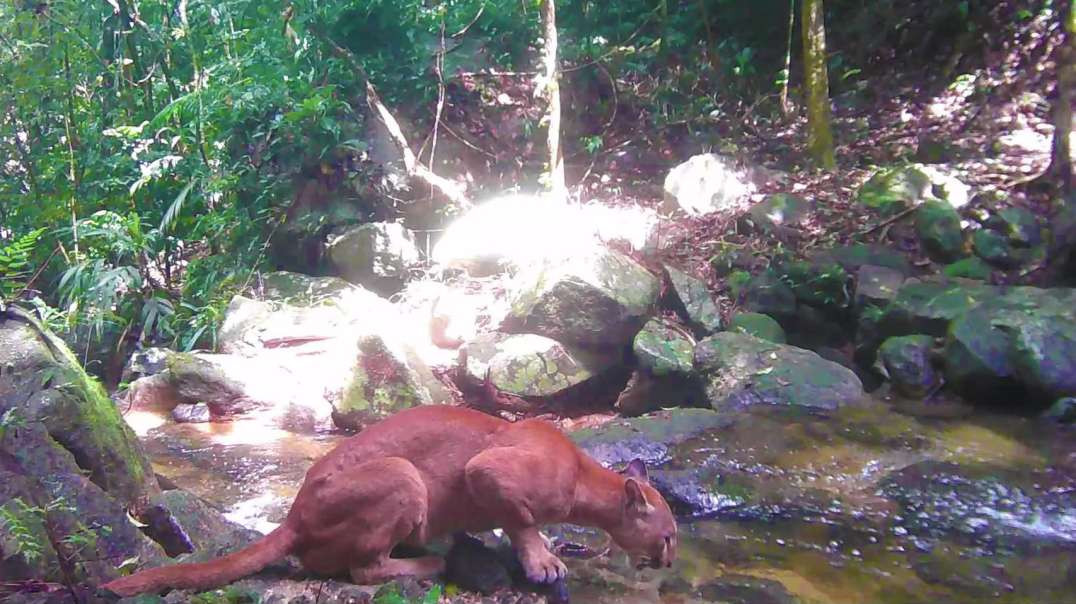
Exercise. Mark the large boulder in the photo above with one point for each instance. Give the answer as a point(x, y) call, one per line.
point(1015, 348)
point(927, 307)
point(742, 370)
point(706, 183)
point(377, 255)
point(599, 299)
point(530, 365)
point(664, 376)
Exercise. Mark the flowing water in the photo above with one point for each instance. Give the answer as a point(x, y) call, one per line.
point(869, 506)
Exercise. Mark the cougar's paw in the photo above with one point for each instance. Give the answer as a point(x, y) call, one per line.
point(543, 567)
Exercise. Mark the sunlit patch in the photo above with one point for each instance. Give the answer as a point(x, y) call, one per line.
point(254, 513)
point(1026, 140)
point(242, 432)
point(143, 421)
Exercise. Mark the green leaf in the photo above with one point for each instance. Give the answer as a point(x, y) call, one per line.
point(174, 210)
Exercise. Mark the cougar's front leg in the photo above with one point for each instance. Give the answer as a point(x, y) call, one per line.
point(511, 486)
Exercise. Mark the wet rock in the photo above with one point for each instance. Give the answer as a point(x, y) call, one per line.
point(376, 255)
point(197, 413)
point(968, 268)
point(939, 230)
point(651, 438)
point(986, 506)
point(907, 360)
point(877, 285)
point(893, 189)
point(530, 365)
point(741, 370)
point(705, 183)
point(302, 290)
point(767, 294)
point(852, 257)
point(600, 299)
point(732, 589)
point(1063, 411)
point(691, 299)
point(779, 210)
point(758, 325)
point(210, 534)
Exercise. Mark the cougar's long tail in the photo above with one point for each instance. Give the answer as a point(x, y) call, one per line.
point(207, 575)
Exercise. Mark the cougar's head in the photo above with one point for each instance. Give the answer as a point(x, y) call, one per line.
point(647, 530)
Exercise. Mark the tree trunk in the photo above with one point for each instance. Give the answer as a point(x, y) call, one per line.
point(552, 75)
point(819, 134)
point(1061, 155)
point(786, 107)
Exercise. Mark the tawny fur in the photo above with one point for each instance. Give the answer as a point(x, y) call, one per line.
point(432, 471)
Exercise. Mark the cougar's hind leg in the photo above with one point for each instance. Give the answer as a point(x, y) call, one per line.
point(393, 508)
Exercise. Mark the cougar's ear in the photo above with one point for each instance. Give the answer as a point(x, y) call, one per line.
point(635, 498)
point(637, 469)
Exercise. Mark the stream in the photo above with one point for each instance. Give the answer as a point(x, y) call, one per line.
point(866, 506)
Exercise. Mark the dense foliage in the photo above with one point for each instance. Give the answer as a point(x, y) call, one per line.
point(153, 147)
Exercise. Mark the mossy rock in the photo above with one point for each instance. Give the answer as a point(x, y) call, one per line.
point(778, 210)
point(741, 370)
point(995, 249)
point(857, 255)
point(938, 226)
point(529, 364)
point(759, 325)
point(382, 383)
point(822, 285)
point(662, 350)
point(907, 360)
point(893, 189)
point(927, 307)
point(766, 293)
point(600, 299)
point(689, 297)
point(968, 268)
point(1020, 227)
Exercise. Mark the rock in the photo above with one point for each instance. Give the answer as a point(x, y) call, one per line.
point(1015, 347)
point(41, 381)
point(474, 567)
point(907, 360)
point(652, 438)
point(823, 285)
point(931, 150)
point(1020, 227)
point(705, 183)
point(146, 362)
point(732, 589)
point(939, 230)
point(877, 285)
point(852, 257)
point(814, 329)
point(893, 189)
point(663, 351)
point(779, 210)
point(530, 365)
point(1062, 244)
point(600, 299)
point(741, 370)
point(767, 294)
point(382, 382)
point(1063, 411)
point(758, 325)
point(690, 298)
point(210, 533)
point(994, 248)
point(302, 290)
point(968, 268)
point(989, 506)
point(927, 307)
point(376, 255)
point(197, 413)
